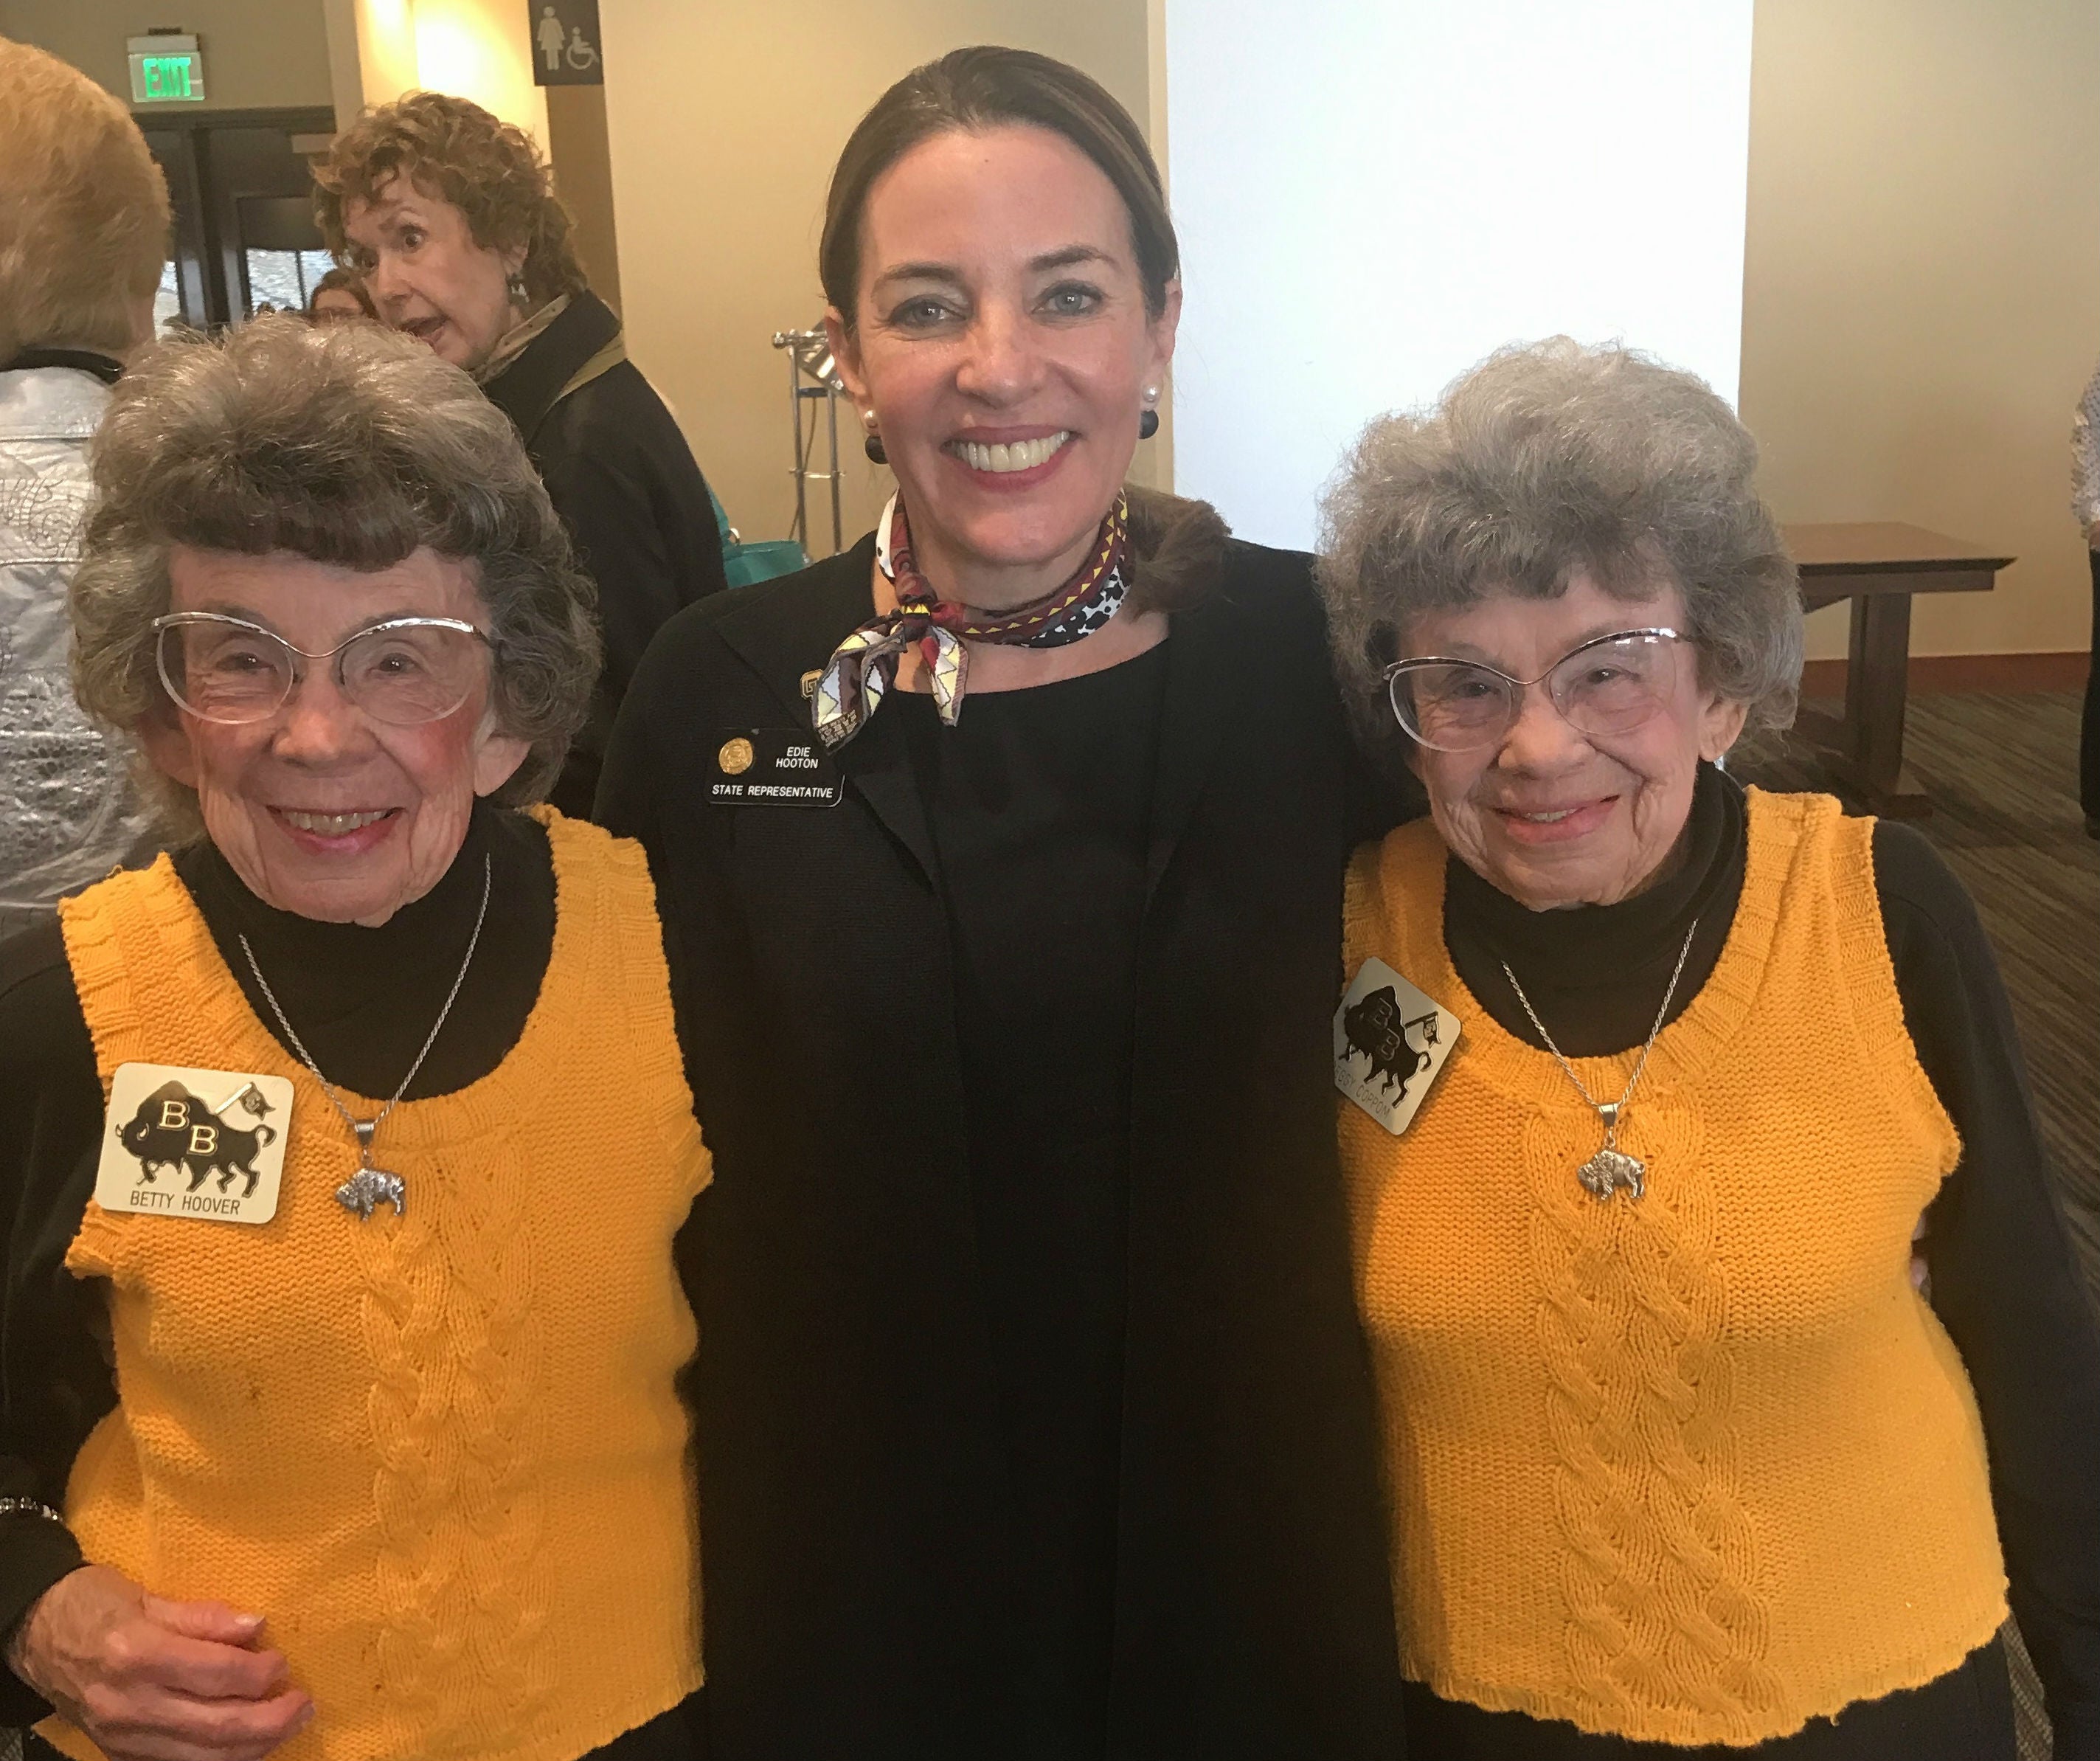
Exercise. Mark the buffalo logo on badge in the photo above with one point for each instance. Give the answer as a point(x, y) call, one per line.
point(1375, 1031)
point(736, 756)
point(172, 1128)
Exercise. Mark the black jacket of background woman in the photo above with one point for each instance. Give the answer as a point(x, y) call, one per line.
point(622, 477)
point(856, 1600)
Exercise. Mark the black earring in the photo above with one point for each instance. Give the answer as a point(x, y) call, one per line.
point(1148, 424)
point(872, 446)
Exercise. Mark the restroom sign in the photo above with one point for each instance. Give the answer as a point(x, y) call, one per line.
point(565, 45)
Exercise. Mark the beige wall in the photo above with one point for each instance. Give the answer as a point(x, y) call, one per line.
point(724, 124)
point(258, 53)
point(482, 50)
point(1921, 287)
point(477, 49)
point(583, 177)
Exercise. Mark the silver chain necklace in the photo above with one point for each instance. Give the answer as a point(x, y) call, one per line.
point(370, 1185)
point(1610, 1166)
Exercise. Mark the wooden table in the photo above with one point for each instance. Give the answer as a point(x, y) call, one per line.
point(1878, 565)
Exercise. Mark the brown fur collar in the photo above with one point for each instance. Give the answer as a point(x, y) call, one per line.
point(1175, 548)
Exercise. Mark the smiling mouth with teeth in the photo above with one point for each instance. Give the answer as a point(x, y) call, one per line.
point(1014, 456)
point(332, 824)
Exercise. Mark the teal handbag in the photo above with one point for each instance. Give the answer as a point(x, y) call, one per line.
point(744, 565)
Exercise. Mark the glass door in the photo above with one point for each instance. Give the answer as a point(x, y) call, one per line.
point(244, 238)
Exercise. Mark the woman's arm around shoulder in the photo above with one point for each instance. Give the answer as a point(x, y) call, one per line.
point(2006, 1280)
point(54, 1385)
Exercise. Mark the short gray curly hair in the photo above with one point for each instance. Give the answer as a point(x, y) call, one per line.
point(346, 444)
point(1546, 458)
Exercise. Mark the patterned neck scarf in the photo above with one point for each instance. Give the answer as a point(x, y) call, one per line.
point(518, 339)
point(864, 665)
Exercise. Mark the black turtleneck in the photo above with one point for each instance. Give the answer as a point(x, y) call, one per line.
point(2004, 1279)
point(1596, 973)
point(363, 999)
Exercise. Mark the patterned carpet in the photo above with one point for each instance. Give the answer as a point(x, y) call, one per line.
point(2001, 769)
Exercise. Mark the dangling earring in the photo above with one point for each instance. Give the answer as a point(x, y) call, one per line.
point(514, 285)
point(1148, 420)
point(872, 445)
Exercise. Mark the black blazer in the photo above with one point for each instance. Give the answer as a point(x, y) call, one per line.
point(620, 474)
point(851, 1479)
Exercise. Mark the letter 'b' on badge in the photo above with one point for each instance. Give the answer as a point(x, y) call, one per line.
point(1390, 1042)
point(193, 1143)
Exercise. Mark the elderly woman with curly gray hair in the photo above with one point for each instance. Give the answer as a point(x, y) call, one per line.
point(344, 1148)
point(1656, 1085)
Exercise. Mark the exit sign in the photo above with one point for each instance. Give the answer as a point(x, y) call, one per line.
point(166, 68)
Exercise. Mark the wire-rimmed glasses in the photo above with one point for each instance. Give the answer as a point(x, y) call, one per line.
point(404, 670)
point(1608, 685)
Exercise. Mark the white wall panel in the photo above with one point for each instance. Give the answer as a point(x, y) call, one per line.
point(1374, 194)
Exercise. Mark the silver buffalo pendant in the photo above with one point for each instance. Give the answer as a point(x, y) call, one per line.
point(368, 1189)
point(371, 1187)
point(1609, 1169)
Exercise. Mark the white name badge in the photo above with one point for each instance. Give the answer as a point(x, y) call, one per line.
point(194, 1143)
point(1390, 1041)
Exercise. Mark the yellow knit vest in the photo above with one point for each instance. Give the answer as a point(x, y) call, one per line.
point(1697, 1468)
point(442, 1452)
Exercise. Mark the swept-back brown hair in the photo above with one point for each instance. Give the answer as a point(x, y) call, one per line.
point(487, 169)
point(988, 87)
point(83, 209)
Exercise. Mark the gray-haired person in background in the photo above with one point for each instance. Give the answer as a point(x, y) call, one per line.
point(2085, 505)
point(83, 235)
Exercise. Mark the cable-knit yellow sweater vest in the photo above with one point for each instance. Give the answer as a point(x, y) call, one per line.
point(442, 1451)
point(1699, 1467)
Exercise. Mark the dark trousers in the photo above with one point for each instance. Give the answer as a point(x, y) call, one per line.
point(1965, 1715)
point(2089, 731)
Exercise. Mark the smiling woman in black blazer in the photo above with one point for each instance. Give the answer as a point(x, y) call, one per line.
point(1000, 864)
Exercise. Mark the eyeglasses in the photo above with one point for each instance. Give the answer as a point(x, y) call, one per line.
point(1608, 685)
point(403, 671)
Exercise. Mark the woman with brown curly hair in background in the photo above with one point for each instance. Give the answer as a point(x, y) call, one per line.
point(449, 216)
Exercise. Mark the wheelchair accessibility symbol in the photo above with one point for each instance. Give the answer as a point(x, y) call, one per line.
point(565, 35)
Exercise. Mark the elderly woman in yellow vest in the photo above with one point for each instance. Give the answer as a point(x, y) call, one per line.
point(356, 1130)
point(1651, 1084)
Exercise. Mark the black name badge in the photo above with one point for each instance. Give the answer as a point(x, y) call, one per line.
point(772, 767)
